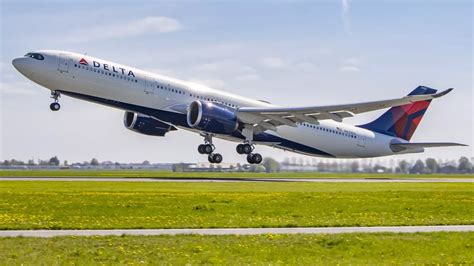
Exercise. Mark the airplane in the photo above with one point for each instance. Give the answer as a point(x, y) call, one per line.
point(155, 105)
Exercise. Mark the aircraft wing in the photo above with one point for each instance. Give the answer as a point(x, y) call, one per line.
point(272, 117)
point(406, 146)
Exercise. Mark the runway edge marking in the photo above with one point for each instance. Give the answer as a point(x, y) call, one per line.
point(239, 231)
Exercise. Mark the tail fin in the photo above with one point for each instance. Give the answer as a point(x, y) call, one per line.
point(401, 121)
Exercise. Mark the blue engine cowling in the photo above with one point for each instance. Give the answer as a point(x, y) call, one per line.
point(146, 125)
point(211, 117)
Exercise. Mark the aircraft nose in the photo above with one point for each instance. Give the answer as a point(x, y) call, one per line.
point(19, 64)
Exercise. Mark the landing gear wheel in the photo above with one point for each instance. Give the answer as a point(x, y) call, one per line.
point(54, 106)
point(201, 149)
point(210, 158)
point(250, 159)
point(217, 158)
point(246, 148)
point(214, 158)
point(208, 149)
point(254, 158)
point(240, 149)
point(257, 158)
point(205, 149)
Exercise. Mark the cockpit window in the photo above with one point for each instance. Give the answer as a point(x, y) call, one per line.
point(35, 56)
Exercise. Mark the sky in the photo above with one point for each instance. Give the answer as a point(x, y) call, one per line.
point(291, 53)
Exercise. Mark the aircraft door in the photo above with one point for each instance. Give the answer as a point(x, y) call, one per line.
point(64, 62)
point(150, 85)
point(361, 141)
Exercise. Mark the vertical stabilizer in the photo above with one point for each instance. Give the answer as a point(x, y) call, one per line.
point(402, 121)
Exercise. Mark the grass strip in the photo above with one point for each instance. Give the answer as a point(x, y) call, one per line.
point(372, 249)
point(109, 205)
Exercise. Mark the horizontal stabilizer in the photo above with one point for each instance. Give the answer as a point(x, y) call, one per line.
point(404, 146)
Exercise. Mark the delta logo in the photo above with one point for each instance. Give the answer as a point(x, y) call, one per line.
point(83, 62)
point(107, 67)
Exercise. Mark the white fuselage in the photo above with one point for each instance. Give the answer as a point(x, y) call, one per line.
point(121, 86)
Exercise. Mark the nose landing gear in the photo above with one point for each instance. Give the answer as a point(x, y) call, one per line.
point(208, 148)
point(55, 106)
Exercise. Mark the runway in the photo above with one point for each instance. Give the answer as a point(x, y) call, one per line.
point(246, 179)
point(239, 231)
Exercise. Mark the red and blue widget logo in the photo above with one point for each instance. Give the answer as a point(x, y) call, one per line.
point(83, 62)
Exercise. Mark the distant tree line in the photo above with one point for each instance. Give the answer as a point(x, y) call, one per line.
point(429, 166)
point(53, 161)
point(268, 165)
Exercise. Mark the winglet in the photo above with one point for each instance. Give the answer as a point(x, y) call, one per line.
point(437, 95)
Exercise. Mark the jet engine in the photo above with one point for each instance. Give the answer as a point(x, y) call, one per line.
point(211, 117)
point(146, 125)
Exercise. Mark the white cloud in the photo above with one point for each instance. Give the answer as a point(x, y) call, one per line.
point(352, 64)
point(248, 69)
point(16, 89)
point(355, 61)
point(137, 27)
point(346, 17)
point(349, 69)
point(247, 77)
point(272, 62)
point(208, 67)
point(213, 83)
point(306, 66)
point(224, 65)
point(161, 71)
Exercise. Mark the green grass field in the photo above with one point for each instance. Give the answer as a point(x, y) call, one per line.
point(169, 174)
point(55, 205)
point(371, 249)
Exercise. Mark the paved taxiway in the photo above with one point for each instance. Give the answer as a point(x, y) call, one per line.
point(246, 179)
point(239, 231)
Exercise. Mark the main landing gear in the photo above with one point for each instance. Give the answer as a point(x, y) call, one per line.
point(208, 148)
point(247, 148)
point(55, 106)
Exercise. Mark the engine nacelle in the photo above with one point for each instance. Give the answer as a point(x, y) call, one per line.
point(211, 117)
point(147, 125)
